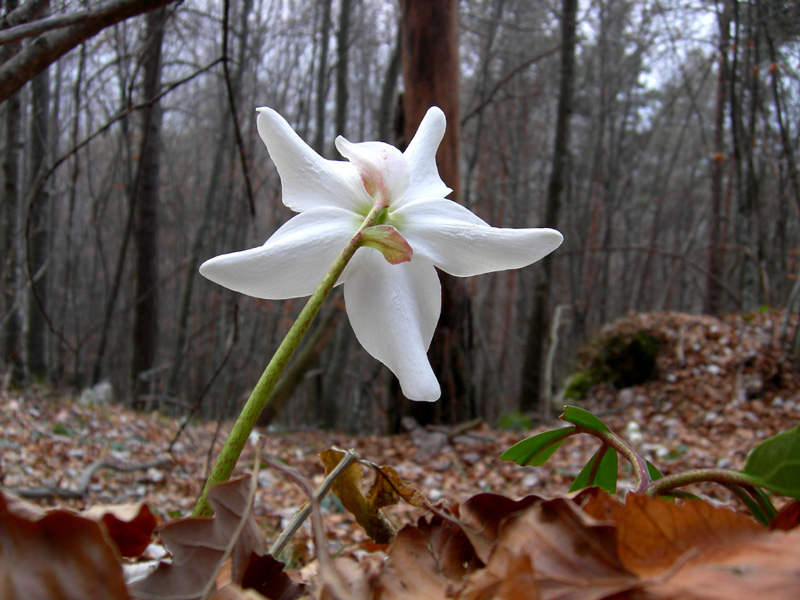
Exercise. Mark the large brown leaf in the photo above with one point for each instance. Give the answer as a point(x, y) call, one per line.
point(56, 555)
point(130, 526)
point(573, 555)
point(199, 544)
point(696, 550)
point(482, 515)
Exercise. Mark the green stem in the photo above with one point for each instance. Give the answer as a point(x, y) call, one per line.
point(641, 475)
point(229, 455)
point(679, 480)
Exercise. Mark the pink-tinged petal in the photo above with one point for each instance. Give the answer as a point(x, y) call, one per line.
point(383, 170)
point(292, 262)
point(394, 310)
point(421, 157)
point(307, 179)
point(462, 244)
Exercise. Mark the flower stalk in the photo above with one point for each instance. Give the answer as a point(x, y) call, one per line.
point(259, 397)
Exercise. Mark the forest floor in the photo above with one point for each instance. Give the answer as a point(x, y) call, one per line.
point(723, 385)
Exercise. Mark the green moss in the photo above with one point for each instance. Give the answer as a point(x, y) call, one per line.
point(515, 421)
point(579, 384)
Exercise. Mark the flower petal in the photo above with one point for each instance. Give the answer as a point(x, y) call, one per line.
point(421, 157)
point(394, 310)
point(383, 170)
point(462, 244)
point(307, 179)
point(292, 262)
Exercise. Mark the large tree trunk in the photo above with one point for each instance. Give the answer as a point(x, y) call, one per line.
point(713, 293)
point(145, 322)
point(38, 238)
point(531, 391)
point(9, 309)
point(322, 78)
point(431, 75)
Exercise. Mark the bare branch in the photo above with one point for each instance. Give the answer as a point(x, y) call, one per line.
point(49, 47)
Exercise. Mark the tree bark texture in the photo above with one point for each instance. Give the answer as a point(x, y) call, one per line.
point(713, 292)
point(49, 47)
point(146, 194)
point(38, 234)
point(430, 63)
point(531, 392)
point(9, 309)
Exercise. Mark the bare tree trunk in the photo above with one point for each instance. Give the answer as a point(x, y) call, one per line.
point(713, 295)
point(145, 323)
point(431, 73)
point(9, 309)
point(742, 155)
point(322, 77)
point(222, 150)
point(531, 391)
point(342, 56)
point(38, 240)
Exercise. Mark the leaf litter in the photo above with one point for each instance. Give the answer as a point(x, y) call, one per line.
point(498, 531)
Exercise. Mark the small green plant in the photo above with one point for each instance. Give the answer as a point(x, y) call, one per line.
point(514, 421)
point(773, 465)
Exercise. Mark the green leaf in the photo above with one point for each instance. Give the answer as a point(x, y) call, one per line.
point(600, 471)
point(584, 419)
point(775, 463)
point(655, 474)
point(538, 449)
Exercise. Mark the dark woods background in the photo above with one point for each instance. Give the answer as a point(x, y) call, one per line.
point(661, 137)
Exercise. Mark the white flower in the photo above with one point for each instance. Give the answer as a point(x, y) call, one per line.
point(393, 308)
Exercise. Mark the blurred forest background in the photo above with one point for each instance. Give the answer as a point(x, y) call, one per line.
point(659, 136)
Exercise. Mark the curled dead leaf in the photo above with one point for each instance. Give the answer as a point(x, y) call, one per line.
point(57, 554)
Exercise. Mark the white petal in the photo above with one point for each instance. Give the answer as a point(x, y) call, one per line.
point(394, 310)
point(462, 244)
point(421, 156)
point(307, 179)
point(292, 262)
point(381, 166)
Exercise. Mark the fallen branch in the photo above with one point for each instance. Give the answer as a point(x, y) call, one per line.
point(85, 479)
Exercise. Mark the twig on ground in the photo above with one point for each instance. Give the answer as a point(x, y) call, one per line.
point(79, 491)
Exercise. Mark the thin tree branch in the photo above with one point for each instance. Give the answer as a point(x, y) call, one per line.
point(232, 104)
point(49, 47)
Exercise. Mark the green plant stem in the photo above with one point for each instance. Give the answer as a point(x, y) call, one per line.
point(679, 480)
point(641, 474)
point(234, 444)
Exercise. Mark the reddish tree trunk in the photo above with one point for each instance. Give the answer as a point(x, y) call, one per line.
point(429, 48)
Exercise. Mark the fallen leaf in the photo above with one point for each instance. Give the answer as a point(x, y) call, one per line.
point(504, 579)
point(573, 555)
point(198, 544)
point(481, 516)
point(130, 526)
point(694, 550)
point(56, 555)
point(411, 572)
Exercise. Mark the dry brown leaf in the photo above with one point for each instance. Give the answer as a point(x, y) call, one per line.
point(130, 526)
point(694, 550)
point(765, 566)
point(234, 592)
point(387, 490)
point(56, 555)
point(573, 555)
point(481, 516)
point(788, 517)
point(198, 544)
point(654, 534)
point(504, 579)
point(411, 572)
